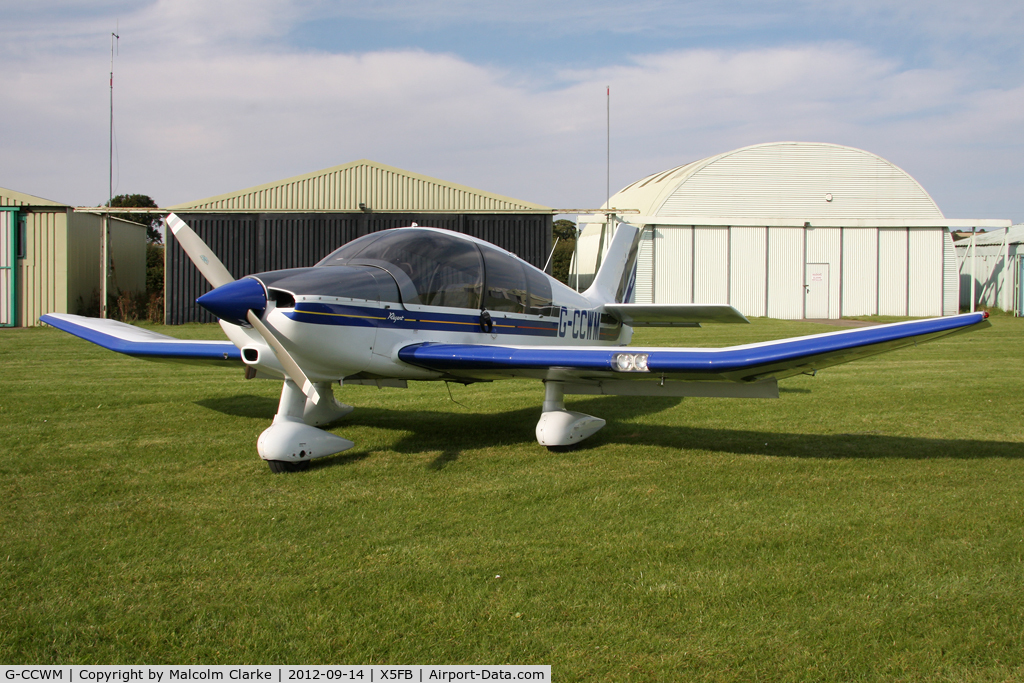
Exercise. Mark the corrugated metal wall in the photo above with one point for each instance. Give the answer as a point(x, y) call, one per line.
point(673, 264)
point(127, 244)
point(8, 256)
point(892, 271)
point(825, 245)
point(527, 236)
point(711, 264)
point(925, 272)
point(748, 270)
point(761, 271)
point(255, 243)
point(950, 276)
point(643, 293)
point(1019, 285)
point(127, 257)
point(83, 288)
point(860, 267)
point(42, 274)
point(786, 273)
point(241, 242)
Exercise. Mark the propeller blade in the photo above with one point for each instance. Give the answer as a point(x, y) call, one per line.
point(202, 256)
point(295, 373)
point(217, 275)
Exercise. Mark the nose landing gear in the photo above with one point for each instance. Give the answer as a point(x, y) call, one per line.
point(289, 444)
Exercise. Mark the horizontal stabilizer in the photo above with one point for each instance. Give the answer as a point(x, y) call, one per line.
point(674, 315)
point(141, 343)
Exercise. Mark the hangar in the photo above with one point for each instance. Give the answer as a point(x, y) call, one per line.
point(295, 222)
point(788, 230)
point(50, 258)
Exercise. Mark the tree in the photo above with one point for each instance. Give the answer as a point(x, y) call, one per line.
point(561, 261)
point(139, 201)
point(564, 229)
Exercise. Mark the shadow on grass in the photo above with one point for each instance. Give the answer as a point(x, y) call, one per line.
point(242, 405)
point(820, 446)
point(451, 433)
point(346, 458)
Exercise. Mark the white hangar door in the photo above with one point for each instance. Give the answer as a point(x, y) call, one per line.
point(816, 291)
point(8, 256)
point(925, 276)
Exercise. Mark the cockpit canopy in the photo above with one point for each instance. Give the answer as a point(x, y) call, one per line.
point(435, 268)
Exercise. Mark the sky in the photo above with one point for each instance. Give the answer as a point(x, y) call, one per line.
point(509, 97)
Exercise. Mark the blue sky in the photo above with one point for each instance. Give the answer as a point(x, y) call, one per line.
point(211, 97)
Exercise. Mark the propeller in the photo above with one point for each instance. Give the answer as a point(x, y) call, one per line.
point(204, 259)
point(229, 294)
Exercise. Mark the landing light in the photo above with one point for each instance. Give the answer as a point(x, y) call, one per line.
point(630, 362)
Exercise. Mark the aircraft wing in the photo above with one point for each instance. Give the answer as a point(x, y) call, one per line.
point(674, 315)
point(762, 363)
point(142, 343)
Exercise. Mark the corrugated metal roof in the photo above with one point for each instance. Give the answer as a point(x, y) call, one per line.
point(13, 198)
point(783, 180)
point(380, 188)
point(995, 237)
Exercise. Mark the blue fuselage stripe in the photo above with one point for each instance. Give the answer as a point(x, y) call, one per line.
point(573, 324)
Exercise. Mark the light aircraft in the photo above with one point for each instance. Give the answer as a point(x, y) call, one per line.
point(421, 303)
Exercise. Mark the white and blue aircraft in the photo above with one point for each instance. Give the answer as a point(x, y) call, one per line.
point(421, 303)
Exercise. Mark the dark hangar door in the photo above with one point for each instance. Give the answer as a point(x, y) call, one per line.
point(255, 243)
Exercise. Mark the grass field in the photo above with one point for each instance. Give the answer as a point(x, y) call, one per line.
point(868, 525)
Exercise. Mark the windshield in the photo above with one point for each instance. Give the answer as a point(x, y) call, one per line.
point(435, 268)
point(432, 268)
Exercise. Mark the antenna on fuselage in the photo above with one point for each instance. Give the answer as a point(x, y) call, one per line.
point(608, 146)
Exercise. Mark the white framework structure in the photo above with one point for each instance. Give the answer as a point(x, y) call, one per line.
point(992, 269)
point(788, 230)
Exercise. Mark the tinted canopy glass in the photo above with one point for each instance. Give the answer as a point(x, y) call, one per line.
point(353, 282)
point(431, 267)
point(506, 282)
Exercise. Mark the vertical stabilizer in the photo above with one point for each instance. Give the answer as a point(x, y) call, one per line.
point(618, 264)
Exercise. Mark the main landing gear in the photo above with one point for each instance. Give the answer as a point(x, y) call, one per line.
point(558, 428)
point(293, 441)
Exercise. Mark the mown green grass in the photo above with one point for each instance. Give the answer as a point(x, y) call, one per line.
point(868, 525)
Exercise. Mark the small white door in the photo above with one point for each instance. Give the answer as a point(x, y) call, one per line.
point(816, 291)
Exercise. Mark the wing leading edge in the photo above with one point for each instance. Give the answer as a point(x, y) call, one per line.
point(747, 363)
point(141, 343)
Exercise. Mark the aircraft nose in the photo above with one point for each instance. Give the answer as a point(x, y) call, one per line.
point(231, 302)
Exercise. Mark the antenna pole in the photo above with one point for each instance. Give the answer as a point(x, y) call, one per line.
point(608, 145)
point(105, 232)
point(113, 37)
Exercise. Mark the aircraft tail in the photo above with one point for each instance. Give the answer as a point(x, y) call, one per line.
point(614, 278)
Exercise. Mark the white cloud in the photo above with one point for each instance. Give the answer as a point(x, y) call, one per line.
point(207, 102)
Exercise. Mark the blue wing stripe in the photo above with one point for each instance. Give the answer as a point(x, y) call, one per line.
point(835, 347)
point(141, 343)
